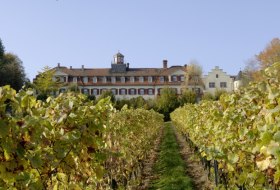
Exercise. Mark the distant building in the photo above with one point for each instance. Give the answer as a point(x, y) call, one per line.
point(125, 82)
point(217, 79)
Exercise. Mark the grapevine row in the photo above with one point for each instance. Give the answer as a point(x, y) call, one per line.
point(68, 142)
point(241, 131)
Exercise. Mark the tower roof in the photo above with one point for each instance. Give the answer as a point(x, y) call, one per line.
point(239, 75)
point(119, 55)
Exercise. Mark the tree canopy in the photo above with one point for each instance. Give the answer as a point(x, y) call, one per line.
point(167, 102)
point(12, 71)
point(2, 50)
point(271, 54)
point(45, 83)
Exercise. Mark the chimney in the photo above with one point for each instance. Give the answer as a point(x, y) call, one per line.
point(164, 64)
point(127, 66)
point(58, 64)
point(70, 67)
point(83, 68)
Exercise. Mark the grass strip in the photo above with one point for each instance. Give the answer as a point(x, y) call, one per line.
point(170, 167)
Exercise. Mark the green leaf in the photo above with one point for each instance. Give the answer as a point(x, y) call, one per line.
point(62, 177)
point(264, 164)
point(233, 158)
point(4, 129)
point(266, 138)
point(36, 161)
point(277, 176)
point(276, 136)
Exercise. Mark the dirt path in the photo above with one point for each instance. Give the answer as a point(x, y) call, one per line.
point(194, 167)
point(147, 172)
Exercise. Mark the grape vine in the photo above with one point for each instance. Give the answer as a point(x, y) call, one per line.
point(241, 131)
point(68, 142)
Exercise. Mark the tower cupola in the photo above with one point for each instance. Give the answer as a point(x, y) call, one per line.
point(119, 58)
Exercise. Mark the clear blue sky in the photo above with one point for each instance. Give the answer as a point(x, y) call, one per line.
point(90, 32)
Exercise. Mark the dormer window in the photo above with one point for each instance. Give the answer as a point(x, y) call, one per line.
point(104, 79)
point(174, 78)
point(85, 79)
point(131, 79)
point(141, 79)
point(150, 79)
point(94, 79)
point(113, 79)
point(161, 79)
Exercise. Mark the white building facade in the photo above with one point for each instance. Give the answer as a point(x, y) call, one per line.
point(217, 79)
point(123, 81)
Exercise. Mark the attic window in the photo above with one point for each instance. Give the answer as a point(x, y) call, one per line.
point(161, 79)
point(94, 79)
point(150, 79)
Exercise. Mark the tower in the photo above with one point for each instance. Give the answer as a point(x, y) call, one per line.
point(119, 58)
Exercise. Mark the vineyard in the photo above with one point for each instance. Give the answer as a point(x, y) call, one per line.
point(240, 134)
point(68, 142)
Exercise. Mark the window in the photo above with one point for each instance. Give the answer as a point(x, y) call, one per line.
point(223, 85)
point(94, 79)
point(131, 79)
point(150, 79)
point(141, 79)
point(123, 91)
point(95, 92)
point(132, 91)
point(74, 79)
point(141, 91)
point(114, 91)
point(123, 79)
point(85, 91)
point(151, 91)
point(85, 79)
point(161, 79)
point(217, 76)
point(113, 79)
point(174, 78)
point(211, 85)
point(182, 78)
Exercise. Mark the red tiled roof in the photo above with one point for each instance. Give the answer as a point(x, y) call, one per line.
point(130, 72)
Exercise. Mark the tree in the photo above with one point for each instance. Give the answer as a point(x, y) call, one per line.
point(270, 55)
point(44, 82)
point(187, 97)
point(167, 102)
point(2, 50)
point(251, 72)
point(193, 75)
point(11, 71)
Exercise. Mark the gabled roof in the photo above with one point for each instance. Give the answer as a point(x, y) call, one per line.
point(129, 72)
